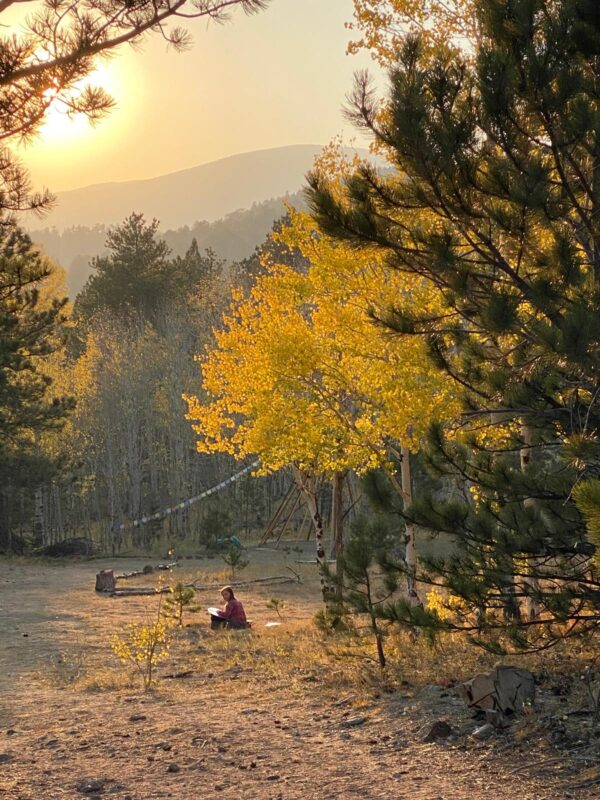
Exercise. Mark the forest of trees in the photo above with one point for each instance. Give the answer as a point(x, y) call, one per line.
point(443, 313)
point(232, 238)
point(122, 356)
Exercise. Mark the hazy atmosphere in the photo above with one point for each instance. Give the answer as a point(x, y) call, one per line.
point(250, 86)
point(299, 399)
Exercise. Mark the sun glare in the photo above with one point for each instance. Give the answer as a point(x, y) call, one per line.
point(59, 125)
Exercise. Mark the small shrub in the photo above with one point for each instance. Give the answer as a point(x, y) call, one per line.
point(369, 576)
point(235, 560)
point(143, 646)
point(179, 600)
point(66, 668)
point(276, 605)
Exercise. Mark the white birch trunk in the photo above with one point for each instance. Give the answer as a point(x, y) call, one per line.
point(307, 485)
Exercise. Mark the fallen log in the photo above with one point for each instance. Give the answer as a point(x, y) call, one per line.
point(138, 591)
point(184, 674)
point(125, 575)
point(271, 579)
point(147, 570)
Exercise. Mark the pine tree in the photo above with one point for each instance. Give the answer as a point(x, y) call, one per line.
point(30, 331)
point(271, 251)
point(370, 574)
point(235, 560)
point(495, 202)
point(179, 600)
point(194, 271)
point(135, 276)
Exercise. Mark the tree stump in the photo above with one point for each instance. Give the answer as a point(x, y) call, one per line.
point(105, 581)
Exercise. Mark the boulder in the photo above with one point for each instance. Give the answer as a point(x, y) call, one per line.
point(500, 693)
point(439, 730)
point(483, 732)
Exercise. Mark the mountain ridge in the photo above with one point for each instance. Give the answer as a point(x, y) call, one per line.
point(207, 191)
point(215, 161)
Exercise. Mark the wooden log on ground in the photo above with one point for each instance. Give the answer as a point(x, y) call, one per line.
point(139, 591)
point(123, 576)
point(271, 579)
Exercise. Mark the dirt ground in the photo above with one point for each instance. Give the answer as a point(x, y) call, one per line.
point(266, 714)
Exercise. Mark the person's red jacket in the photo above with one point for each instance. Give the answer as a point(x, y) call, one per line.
point(234, 611)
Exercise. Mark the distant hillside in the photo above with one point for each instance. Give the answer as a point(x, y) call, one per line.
point(234, 237)
point(207, 192)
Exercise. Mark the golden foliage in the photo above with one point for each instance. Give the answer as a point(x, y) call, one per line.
point(301, 371)
point(143, 646)
point(443, 24)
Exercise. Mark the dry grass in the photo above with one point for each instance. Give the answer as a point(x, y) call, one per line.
point(278, 698)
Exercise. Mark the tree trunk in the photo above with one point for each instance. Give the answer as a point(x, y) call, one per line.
point(508, 589)
point(374, 626)
point(532, 607)
point(337, 528)
point(39, 528)
point(337, 514)
point(410, 555)
point(307, 485)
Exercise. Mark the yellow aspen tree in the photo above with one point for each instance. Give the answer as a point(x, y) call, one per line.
point(302, 374)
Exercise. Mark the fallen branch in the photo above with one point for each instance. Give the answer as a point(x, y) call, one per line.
point(138, 591)
point(272, 579)
point(573, 755)
point(584, 784)
point(185, 674)
point(295, 574)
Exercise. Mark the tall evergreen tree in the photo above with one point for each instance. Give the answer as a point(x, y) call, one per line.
point(271, 251)
point(195, 270)
point(496, 202)
point(134, 276)
point(29, 332)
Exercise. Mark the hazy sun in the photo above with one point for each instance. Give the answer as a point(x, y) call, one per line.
point(60, 125)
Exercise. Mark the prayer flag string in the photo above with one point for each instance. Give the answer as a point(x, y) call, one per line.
point(190, 501)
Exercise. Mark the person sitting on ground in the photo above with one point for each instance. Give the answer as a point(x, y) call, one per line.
point(233, 615)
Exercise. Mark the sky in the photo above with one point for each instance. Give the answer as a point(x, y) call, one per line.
point(277, 78)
